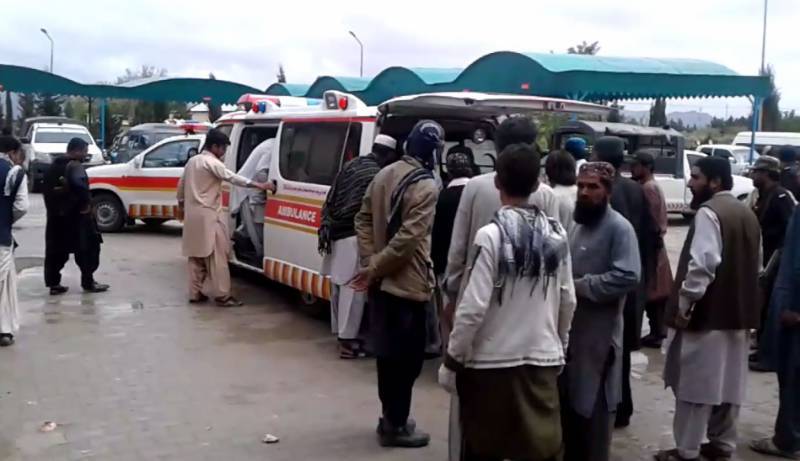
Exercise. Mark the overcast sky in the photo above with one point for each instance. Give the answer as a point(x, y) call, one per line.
point(244, 40)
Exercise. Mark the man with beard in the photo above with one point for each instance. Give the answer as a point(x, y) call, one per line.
point(657, 272)
point(338, 244)
point(629, 200)
point(773, 208)
point(712, 309)
point(394, 242)
point(606, 267)
point(479, 201)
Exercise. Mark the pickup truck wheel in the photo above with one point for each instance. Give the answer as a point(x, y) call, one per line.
point(33, 186)
point(108, 212)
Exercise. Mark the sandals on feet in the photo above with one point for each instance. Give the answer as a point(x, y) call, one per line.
point(228, 301)
point(199, 299)
point(671, 455)
point(767, 447)
point(351, 350)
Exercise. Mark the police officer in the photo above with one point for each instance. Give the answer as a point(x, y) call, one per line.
point(71, 228)
point(789, 170)
point(773, 208)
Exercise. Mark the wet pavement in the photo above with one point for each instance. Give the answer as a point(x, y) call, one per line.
point(137, 374)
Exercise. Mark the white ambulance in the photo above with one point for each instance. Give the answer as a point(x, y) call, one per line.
point(311, 145)
point(145, 187)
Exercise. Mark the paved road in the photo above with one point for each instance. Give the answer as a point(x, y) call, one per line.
point(137, 374)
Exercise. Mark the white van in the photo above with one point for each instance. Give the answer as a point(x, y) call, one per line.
point(767, 139)
point(313, 143)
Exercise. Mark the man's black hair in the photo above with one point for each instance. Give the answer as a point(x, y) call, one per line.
point(716, 168)
point(610, 149)
point(9, 143)
point(515, 130)
point(645, 159)
point(560, 168)
point(77, 144)
point(518, 170)
point(215, 137)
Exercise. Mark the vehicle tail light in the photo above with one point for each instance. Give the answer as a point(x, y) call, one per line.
point(343, 103)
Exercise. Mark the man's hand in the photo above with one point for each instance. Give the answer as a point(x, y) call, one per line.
point(790, 319)
point(361, 281)
point(447, 379)
point(265, 186)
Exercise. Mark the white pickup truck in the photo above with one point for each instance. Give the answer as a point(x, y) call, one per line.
point(672, 166)
point(676, 189)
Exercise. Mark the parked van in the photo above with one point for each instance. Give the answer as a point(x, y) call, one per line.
point(672, 161)
point(765, 139)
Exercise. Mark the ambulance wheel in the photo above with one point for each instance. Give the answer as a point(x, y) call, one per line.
point(154, 222)
point(108, 212)
point(308, 299)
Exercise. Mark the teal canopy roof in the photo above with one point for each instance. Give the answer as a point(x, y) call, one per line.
point(26, 80)
point(580, 77)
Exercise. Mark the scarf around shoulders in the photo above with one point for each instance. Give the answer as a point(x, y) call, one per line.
point(532, 246)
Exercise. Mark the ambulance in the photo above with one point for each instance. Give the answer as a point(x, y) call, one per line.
point(310, 146)
point(145, 187)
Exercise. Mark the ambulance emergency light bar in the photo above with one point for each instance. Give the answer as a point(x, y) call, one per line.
point(261, 103)
point(336, 100)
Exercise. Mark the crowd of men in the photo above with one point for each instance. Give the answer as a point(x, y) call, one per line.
point(534, 291)
point(540, 290)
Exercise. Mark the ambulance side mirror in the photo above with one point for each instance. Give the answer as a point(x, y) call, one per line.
point(137, 161)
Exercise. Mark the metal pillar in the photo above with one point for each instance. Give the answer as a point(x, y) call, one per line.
point(103, 123)
point(757, 102)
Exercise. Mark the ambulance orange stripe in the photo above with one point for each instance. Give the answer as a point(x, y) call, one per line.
point(326, 288)
point(139, 182)
point(285, 274)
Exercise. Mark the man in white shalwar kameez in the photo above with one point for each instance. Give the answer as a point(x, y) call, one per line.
point(13, 205)
point(713, 307)
point(249, 203)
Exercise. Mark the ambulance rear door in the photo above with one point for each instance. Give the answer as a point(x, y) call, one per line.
point(310, 152)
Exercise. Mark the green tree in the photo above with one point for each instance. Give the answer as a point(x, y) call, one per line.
point(585, 48)
point(49, 104)
point(281, 74)
point(771, 115)
point(658, 113)
point(214, 109)
point(27, 105)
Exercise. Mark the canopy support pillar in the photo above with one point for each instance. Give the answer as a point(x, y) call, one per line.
point(102, 123)
point(757, 102)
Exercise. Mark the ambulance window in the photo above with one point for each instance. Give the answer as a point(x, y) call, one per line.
point(251, 137)
point(170, 155)
point(312, 152)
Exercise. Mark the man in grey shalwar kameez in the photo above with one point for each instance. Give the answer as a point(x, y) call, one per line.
point(712, 309)
point(605, 266)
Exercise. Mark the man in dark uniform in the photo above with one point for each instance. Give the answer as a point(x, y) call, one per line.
point(773, 208)
point(628, 199)
point(71, 228)
point(789, 174)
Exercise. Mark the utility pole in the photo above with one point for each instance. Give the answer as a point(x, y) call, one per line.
point(44, 31)
point(361, 47)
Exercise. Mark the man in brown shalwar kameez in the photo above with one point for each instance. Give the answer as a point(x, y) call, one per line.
point(206, 241)
point(657, 270)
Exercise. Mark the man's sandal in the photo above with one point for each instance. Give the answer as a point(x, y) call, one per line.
point(228, 301)
point(767, 447)
point(671, 455)
point(200, 299)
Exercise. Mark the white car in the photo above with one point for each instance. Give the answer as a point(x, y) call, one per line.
point(47, 141)
point(739, 156)
point(676, 189)
point(143, 188)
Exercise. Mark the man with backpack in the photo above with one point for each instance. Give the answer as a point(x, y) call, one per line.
point(71, 228)
point(394, 242)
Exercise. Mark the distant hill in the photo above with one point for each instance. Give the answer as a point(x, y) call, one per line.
point(688, 118)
